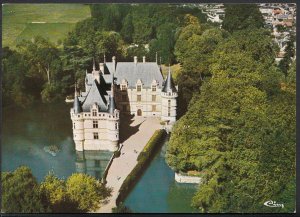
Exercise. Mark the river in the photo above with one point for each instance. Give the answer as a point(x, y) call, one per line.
point(26, 132)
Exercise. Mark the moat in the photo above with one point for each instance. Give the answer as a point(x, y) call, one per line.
point(26, 132)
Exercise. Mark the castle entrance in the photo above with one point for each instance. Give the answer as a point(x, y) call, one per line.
point(139, 112)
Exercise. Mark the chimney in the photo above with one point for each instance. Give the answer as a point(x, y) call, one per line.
point(114, 62)
point(101, 67)
point(144, 59)
point(135, 59)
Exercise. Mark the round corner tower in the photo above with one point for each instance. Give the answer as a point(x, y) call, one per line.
point(169, 100)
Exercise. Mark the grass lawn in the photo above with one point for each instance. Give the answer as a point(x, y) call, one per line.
point(18, 21)
point(54, 31)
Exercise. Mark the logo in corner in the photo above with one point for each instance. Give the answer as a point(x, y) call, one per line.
point(271, 203)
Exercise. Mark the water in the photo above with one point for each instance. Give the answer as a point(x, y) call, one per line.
point(26, 132)
point(157, 191)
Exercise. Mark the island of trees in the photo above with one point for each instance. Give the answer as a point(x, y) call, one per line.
point(237, 105)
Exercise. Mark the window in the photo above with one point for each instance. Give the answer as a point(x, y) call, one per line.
point(94, 112)
point(138, 88)
point(124, 98)
point(116, 125)
point(169, 103)
point(153, 108)
point(95, 124)
point(169, 112)
point(138, 98)
point(123, 87)
point(73, 125)
point(153, 88)
point(97, 163)
point(124, 108)
point(153, 98)
point(96, 136)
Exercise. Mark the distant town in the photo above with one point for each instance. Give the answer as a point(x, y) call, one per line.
point(279, 17)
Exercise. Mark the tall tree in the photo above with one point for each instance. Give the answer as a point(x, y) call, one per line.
point(193, 49)
point(289, 53)
point(20, 192)
point(86, 191)
point(127, 29)
point(242, 16)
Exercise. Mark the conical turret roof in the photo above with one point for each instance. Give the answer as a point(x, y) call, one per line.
point(77, 105)
point(169, 83)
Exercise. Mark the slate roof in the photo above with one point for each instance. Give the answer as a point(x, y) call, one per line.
point(96, 94)
point(131, 72)
point(77, 106)
point(169, 83)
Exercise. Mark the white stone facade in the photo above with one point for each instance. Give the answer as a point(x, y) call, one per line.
point(95, 132)
point(136, 88)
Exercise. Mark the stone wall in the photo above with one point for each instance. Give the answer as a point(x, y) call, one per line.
point(187, 179)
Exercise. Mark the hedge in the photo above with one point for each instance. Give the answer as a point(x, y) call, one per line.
point(144, 158)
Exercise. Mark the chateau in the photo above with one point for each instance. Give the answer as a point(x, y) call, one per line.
point(135, 88)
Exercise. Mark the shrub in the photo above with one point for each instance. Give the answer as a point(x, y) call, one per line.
point(117, 153)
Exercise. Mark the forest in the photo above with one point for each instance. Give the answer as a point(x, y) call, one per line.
point(236, 105)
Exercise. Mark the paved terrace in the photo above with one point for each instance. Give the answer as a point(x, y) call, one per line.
point(135, 132)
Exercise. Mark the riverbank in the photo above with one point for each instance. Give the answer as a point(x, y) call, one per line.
point(137, 135)
point(157, 191)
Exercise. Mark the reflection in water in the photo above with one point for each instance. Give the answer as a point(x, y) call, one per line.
point(92, 162)
point(157, 191)
point(26, 132)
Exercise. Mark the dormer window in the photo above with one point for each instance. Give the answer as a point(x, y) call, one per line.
point(123, 85)
point(94, 112)
point(154, 85)
point(139, 85)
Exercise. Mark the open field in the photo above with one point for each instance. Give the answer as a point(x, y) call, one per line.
point(23, 21)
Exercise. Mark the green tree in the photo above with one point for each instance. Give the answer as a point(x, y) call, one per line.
point(86, 191)
point(15, 84)
point(127, 29)
point(121, 208)
point(242, 16)
point(289, 53)
point(20, 192)
point(144, 29)
point(164, 43)
point(194, 49)
point(53, 192)
point(109, 17)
